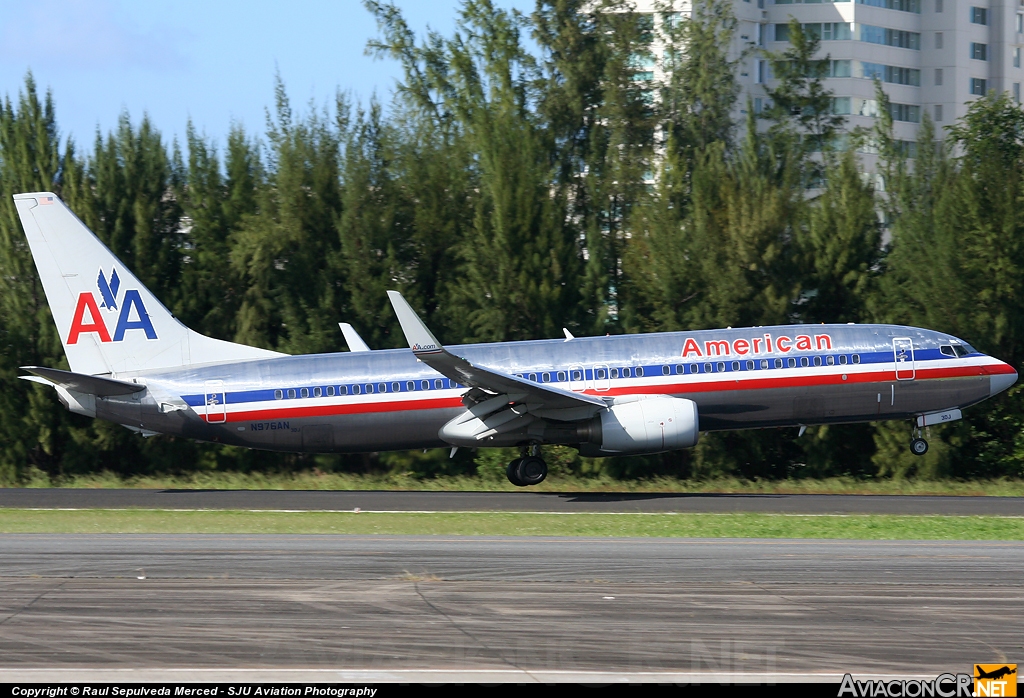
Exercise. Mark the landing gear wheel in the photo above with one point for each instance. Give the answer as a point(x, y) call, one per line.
point(512, 472)
point(919, 447)
point(532, 470)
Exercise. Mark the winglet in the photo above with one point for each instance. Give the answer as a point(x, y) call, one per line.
point(420, 340)
point(352, 338)
point(568, 335)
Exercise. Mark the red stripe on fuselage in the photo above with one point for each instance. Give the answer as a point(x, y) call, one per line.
point(887, 376)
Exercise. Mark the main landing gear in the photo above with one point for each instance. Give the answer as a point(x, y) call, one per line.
point(528, 470)
point(918, 446)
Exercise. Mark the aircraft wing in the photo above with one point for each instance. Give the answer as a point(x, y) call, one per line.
point(81, 383)
point(428, 350)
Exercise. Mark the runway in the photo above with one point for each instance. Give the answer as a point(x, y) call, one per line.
point(524, 607)
point(322, 500)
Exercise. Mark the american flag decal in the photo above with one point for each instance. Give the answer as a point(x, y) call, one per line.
point(45, 200)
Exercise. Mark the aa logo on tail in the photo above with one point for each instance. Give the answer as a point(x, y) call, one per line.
point(89, 319)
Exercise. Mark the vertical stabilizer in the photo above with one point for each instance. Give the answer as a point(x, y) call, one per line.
point(107, 320)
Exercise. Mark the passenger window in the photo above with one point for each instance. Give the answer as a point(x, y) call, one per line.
point(291, 393)
point(369, 388)
point(791, 362)
point(330, 391)
point(625, 373)
point(533, 377)
point(639, 371)
point(615, 373)
point(694, 368)
point(778, 363)
point(577, 375)
point(665, 370)
point(561, 376)
point(317, 392)
point(830, 360)
point(679, 368)
point(721, 367)
point(735, 365)
point(842, 359)
point(356, 390)
point(707, 368)
point(856, 358)
point(438, 383)
point(764, 364)
point(424, 385)
point(750, 365)
point(396, 387)
point(410, 385)
point(546, 377)
point(947, 350)
point(817, 361)
point(804, 362)
point(342, 390)
point(382, 387)
point(278, 394)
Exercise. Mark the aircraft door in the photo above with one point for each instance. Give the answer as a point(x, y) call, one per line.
point(577, 378)
point(216, 402)
point(903, 351)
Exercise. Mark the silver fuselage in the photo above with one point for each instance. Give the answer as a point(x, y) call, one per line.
point(739, 378)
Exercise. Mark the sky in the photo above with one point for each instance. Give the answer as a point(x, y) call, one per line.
point(210, 61)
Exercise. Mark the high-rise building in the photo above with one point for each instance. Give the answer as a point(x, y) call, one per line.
point(932, 56)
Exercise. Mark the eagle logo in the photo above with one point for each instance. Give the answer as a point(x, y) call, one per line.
point(108, 291)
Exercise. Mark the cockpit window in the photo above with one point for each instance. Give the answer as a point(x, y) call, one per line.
point(947, 350)
point(961, 350)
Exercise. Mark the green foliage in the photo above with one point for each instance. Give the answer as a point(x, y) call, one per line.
point(536, 172)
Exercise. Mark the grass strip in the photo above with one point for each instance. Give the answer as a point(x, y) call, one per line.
point(397, 481)
point(742, 525)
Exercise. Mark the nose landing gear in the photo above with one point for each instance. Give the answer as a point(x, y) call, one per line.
point(918, 446)
point(528, 470)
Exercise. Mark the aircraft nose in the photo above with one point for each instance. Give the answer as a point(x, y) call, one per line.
point(1001, 379)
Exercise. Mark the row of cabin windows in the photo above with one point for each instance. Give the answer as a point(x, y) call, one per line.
point(575, 374)
point(748, 365)
point(366, 388)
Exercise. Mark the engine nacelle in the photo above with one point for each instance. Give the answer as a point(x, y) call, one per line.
point(649, 425)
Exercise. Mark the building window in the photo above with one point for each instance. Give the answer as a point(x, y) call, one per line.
point(902, 5)
point(938, 39)
point(905, 112)
point(758, 106)
point(979, 86)
point(838, 69)
point(979, 52)
point(828, 31)
point(1020, 23)
point(938, 5)
point(1016, 58)
point(979, 15)
point(868, 107)
point(759, 72)
point(840, 105)
point(891, 73)
point(938, 112)
point(890, 37)
point(1016, 92)
point(938, 76)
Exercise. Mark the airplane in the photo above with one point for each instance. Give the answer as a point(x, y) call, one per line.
point(133, 363)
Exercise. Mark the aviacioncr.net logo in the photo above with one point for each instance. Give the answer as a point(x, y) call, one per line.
point(942, 686)
point(88, 318)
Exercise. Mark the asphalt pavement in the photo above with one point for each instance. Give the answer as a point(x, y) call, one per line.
point(324, 500)
point(514, 607)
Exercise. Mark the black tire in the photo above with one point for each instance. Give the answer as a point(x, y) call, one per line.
point(512, 472)
point(919, 447)
point(532, 470)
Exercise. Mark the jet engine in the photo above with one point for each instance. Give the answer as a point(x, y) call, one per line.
point(644, 425)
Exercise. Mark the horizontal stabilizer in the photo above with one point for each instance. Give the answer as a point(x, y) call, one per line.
point(90, 385)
